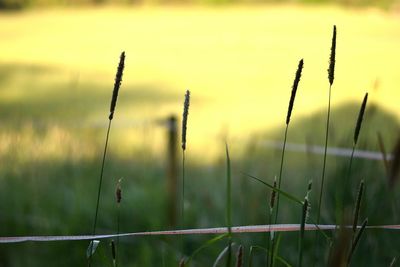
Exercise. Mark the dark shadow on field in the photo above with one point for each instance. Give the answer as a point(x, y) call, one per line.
point(44, 95)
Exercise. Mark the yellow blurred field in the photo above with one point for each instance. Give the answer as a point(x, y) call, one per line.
point(238, 62)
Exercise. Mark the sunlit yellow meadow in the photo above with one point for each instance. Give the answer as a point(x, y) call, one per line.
point(238, 62)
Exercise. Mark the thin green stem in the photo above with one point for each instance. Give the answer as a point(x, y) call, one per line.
point(302, 227)
point(347, 182)
point(269, 235)
point(183, 190)
point(280, 173)
point(228, 206)
point(324, 163)
point(99, 189)
point(279, 187)
point(183, 203)
point(323, 172)
point(118, 231)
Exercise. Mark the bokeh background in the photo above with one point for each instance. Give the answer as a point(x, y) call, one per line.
point(238, 58)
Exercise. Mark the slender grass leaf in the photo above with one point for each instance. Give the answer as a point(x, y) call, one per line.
point(92, 248)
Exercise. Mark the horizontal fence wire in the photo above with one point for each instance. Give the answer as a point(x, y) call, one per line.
point(201, 231)
point(320, 150)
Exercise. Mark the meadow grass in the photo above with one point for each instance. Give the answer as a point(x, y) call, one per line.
point(52, 183)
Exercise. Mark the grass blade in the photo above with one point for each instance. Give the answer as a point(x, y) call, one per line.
point(279, 191)
point(392, 263)
point(222, 254)
point(205, 245)
point(356, 240)
point(92, 248)
point(358, 205)
point(228, 204)
point(239, 257)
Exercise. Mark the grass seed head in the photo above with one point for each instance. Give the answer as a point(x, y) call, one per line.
point(118, 191)
point(113, 249)
point(273, 196)
point(332, 59)
point(117, 84)
point(294, 90)
point(360, 119)
point(185, 117)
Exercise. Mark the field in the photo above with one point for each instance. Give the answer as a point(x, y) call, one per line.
point(56, 75)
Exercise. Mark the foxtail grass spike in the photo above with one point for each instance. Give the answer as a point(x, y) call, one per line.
point(185, 117)
point(358, 205)
point(294, 90)
point(360, 118)
point(117, 84)
point(239, 257)
point(273, 196)
point(113, 250)
point(356, 240)
point(302, 229)
point(332, 59)
point(118, 192)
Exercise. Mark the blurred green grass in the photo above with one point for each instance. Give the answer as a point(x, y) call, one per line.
point(49, 179)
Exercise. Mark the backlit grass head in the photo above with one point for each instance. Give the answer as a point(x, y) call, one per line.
point(185, 117)
point(332, 59)
point(294, 90)
point(118, 191)
point(117, 84)
point(360, 119)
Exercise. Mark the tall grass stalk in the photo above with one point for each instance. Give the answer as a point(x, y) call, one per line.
point(271, 210)
point(117, 85)
point(228, 205)
point(355, 140)
point(289, 113)
point(184, 130)
point(288, 116)
point(331, 75)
